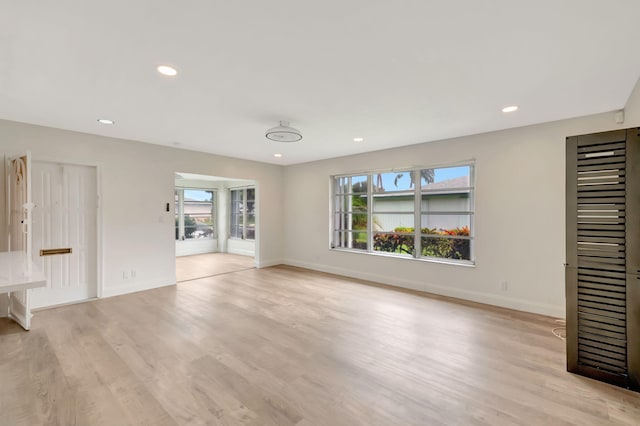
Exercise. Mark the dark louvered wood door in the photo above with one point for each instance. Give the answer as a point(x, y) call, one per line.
point(602, 248)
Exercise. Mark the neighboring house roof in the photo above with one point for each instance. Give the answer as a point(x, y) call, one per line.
point(458, 182)
point(197, 207)
point(191, 200)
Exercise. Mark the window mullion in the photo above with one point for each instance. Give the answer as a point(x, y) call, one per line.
point(370, 213)
point(244, 214)
point(181, 214)
point(417, 214)
point(472, 207)
point(350, 213)
point(214, 214)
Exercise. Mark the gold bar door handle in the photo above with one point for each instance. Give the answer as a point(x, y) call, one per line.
point(51, 252)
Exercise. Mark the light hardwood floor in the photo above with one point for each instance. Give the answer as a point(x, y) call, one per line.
point(285, 346)
point(209, 264)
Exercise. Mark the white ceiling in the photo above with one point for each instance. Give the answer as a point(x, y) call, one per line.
point(395, 73)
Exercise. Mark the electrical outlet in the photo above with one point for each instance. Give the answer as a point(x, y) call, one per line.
point(125, 275)
point(133, 273)
point(504, 286)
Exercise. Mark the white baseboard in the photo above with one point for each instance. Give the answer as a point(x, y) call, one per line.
point(474, 296)
point(196, 246)
point(241, 252)
point(267, 263)
point(116, 290)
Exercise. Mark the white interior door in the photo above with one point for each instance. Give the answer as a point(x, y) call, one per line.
point(65, 216)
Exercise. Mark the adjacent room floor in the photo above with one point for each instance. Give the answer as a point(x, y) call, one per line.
point(209, 264)
point(286, 346)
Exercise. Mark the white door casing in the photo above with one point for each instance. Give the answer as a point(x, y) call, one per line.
point(65, 216)
point(19, 214)
point(19, 203)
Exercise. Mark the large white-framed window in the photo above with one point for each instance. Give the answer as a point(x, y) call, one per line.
point(242, 217)
point(423, 213)
point(195, 213)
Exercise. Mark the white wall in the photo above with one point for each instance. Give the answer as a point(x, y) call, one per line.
point(141, 176)
point(519, 208)
point(632, 109)
point(519, 222)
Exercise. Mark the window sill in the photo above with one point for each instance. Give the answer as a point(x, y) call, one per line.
point(465, 263)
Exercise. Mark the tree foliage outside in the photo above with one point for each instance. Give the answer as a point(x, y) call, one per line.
point(402, 241)
point(359, 206)
point(190, 227)
point(426, 175)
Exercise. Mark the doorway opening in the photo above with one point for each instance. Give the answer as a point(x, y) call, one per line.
point(215, 225)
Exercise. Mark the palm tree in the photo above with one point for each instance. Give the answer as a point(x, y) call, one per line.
point(426, 175)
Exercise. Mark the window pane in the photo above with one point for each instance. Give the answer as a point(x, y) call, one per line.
point(251, 195)
point(352, 240)
point(445, 192)
point(359, 184)
point(250, 233)
point(393, 243)
point(392, 182)
point(236, 231)
point(355, 203)
point(347, 221)
point(394, 202)
point(449, 248)
point(177, 213)
point(342, 185)
point(359, 203)
point(445, 223)
point(393, 222)
point(351, 184)
point(446, 202)
point(235, 219)
point(198, 213)
point(445, 177)
point(236, 196)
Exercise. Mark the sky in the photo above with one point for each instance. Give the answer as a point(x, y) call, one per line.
point(197, 194)
point(387, 181)
point(405, 181)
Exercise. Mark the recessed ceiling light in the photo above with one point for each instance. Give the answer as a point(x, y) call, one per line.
point(277, 155)
point(511, 108)
point(167, 70)
point(106, 121)
point(358, 139)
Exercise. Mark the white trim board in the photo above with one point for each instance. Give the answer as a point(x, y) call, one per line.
point(269, 263)
point(117, 290)
point(241, 252)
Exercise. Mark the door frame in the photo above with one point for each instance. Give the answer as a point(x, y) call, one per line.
point(223, 191)
point(99, 222)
